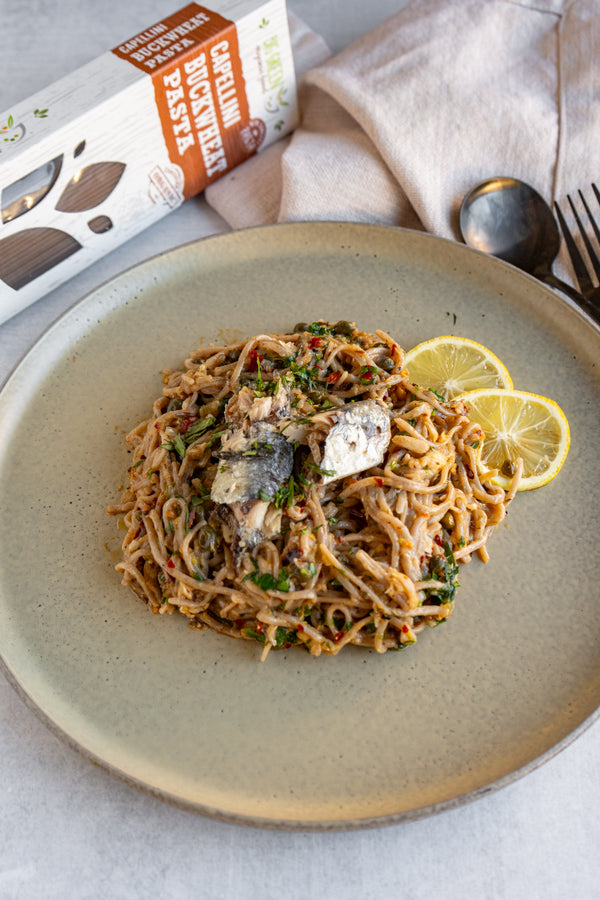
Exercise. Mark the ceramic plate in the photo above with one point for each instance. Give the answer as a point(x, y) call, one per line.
point(194, 717)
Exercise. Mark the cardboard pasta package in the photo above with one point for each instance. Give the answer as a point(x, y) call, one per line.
point(109, 149)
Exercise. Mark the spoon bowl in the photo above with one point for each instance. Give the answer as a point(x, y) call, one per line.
point(507, 218)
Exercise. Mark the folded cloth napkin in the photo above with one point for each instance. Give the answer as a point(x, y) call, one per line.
point(396, 128)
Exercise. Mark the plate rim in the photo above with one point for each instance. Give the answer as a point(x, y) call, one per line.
point(290, 824)
point(567, 302)
point(295, 825)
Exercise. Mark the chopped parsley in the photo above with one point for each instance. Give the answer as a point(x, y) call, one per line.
point(319, 470)
point(368, 374)
point(259, 383)
point(303, 376)
point(177, 446)
point(257, 635)
point(181, 442)
point(446, 570)
point(290, 492)
point(284, 636)
point(198, 428)
point(319, 328)
point(268, 582)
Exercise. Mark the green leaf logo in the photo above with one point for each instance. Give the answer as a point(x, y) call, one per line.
point(10, 122)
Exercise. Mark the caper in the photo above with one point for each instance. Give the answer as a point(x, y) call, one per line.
point(387, 363)
point(437, 566)
point(300, 326)
point(207, 538)
point(343, 327)
point(448, 521)
point(508, 468)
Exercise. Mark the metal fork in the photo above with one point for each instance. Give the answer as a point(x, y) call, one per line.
point(590, 291)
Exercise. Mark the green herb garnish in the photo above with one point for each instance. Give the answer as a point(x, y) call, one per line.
point(319, 470)
point(176, 446)
point(368, 374)
point(319, 328)
point(290, 492)
point(258, 636)
point(267, 582)
point(446, 570)
point(285, 636)
point(198, 428)
point(181, 442)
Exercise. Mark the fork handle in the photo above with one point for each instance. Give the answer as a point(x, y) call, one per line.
point(551, 279)
point(588, 306)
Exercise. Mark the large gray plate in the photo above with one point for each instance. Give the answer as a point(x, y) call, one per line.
point(360, 739)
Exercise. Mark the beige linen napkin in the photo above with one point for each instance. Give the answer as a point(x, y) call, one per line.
point(399, 126)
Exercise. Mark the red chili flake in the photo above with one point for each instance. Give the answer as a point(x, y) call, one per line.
point(438, 540)
point(379, 482)
point(157, 425)
point(314, 342)
point(170, 564)
point(394, 348)
point(300, 628)
point(185, 424)
point(405, 629)
point(333, 377)
point(338, 635)
point(253, 359)
point(258, 628)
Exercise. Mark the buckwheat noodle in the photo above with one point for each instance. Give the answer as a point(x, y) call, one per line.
point(370, 559)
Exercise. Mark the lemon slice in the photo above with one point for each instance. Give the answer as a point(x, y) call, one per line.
point(451, 365)
point(520, 425)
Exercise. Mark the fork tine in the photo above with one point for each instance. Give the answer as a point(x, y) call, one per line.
point(588, 244)
point(592, 220)
point(585, 282)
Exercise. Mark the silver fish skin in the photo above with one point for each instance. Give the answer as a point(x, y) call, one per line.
point(357, 440)
point(262, 461)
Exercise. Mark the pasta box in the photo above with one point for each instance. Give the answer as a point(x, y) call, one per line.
point(107, 150)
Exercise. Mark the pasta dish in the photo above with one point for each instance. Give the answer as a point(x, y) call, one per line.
point(298, 489)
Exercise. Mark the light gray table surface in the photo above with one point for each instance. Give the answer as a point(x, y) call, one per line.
point(69, 830)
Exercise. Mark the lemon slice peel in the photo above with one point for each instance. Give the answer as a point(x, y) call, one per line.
point(519, 425)
point(451, 365)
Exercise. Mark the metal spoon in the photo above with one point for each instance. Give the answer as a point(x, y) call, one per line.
point(508, 219)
